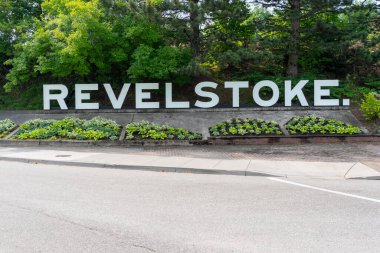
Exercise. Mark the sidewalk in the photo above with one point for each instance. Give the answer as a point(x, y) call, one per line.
point(190, 162)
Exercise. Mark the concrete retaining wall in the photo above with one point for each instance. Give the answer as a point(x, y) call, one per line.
point(291, 140)
point(196, 120)
point(239, 140)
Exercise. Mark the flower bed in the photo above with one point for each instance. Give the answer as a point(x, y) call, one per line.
point(69, 128)
point(6, 126)
point(145, 130)
point(311, 124)
point(247, 127)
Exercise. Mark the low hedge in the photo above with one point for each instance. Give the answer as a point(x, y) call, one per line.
point(247, 127)
point(145, 130)
point(311, 124)
point(6, 125)
point(97, 128)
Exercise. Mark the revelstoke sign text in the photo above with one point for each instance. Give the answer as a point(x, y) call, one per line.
point(207, 99)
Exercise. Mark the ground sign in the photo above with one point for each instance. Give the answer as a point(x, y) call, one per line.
point(206, 98)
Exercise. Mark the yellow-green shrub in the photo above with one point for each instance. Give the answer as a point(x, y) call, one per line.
point(371, 106)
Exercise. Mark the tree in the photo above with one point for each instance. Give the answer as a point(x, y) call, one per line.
point(188, 40)
point(77, 41)
point(227, 36)
point(71, 40)
point(16, 20)
point(294, 13)
point(294, 38)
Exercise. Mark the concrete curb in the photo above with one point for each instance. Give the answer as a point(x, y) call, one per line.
point(104, 143)
point(362, 171)
point(140, 168)
point(228, 140)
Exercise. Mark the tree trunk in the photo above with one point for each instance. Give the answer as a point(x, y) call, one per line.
point(195, 27)
point(294, 40)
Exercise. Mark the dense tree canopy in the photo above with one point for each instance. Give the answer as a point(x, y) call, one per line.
point(188, 40)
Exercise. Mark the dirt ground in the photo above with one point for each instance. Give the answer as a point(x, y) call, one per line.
point(328, 152)
point(372, 126)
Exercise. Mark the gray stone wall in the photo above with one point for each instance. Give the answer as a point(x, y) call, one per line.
point(197, 120)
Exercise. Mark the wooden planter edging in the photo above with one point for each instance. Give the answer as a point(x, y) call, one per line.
point(163, 142)
point(239, 140)
point(295, 139)
point(226, 140)
point(101, 143)
point(10, 132)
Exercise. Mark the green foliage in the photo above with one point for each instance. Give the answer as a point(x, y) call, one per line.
point(345, 44)
point(247, 127)
point(117, 41)
point(71, 40)
point(35, 124)
point(22, 98)
point(371, 106)
point(229, 33)
point(159, 63)
point(6, 125)
point(152, 131)
point(16, 20)
point(311, 124)
point(76, 40)
point(97, 128)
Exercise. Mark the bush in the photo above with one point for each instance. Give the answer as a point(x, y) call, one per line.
point(371, 106)
point(97, 128)
point(152, 131)
point(6, 125)
point(311, 124)
point(240, 127)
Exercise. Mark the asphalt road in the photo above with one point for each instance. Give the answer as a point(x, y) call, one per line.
point(45, 208)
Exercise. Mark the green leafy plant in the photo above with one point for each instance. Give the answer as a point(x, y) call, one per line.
point(6, 125)
point(97, 128)
point(241, 127)
point(152, 131)
point(371, 106)
point(311, 124)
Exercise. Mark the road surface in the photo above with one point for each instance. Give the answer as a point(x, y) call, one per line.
point(50, 208)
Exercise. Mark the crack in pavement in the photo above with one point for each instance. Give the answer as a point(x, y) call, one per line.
point(93, 229)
